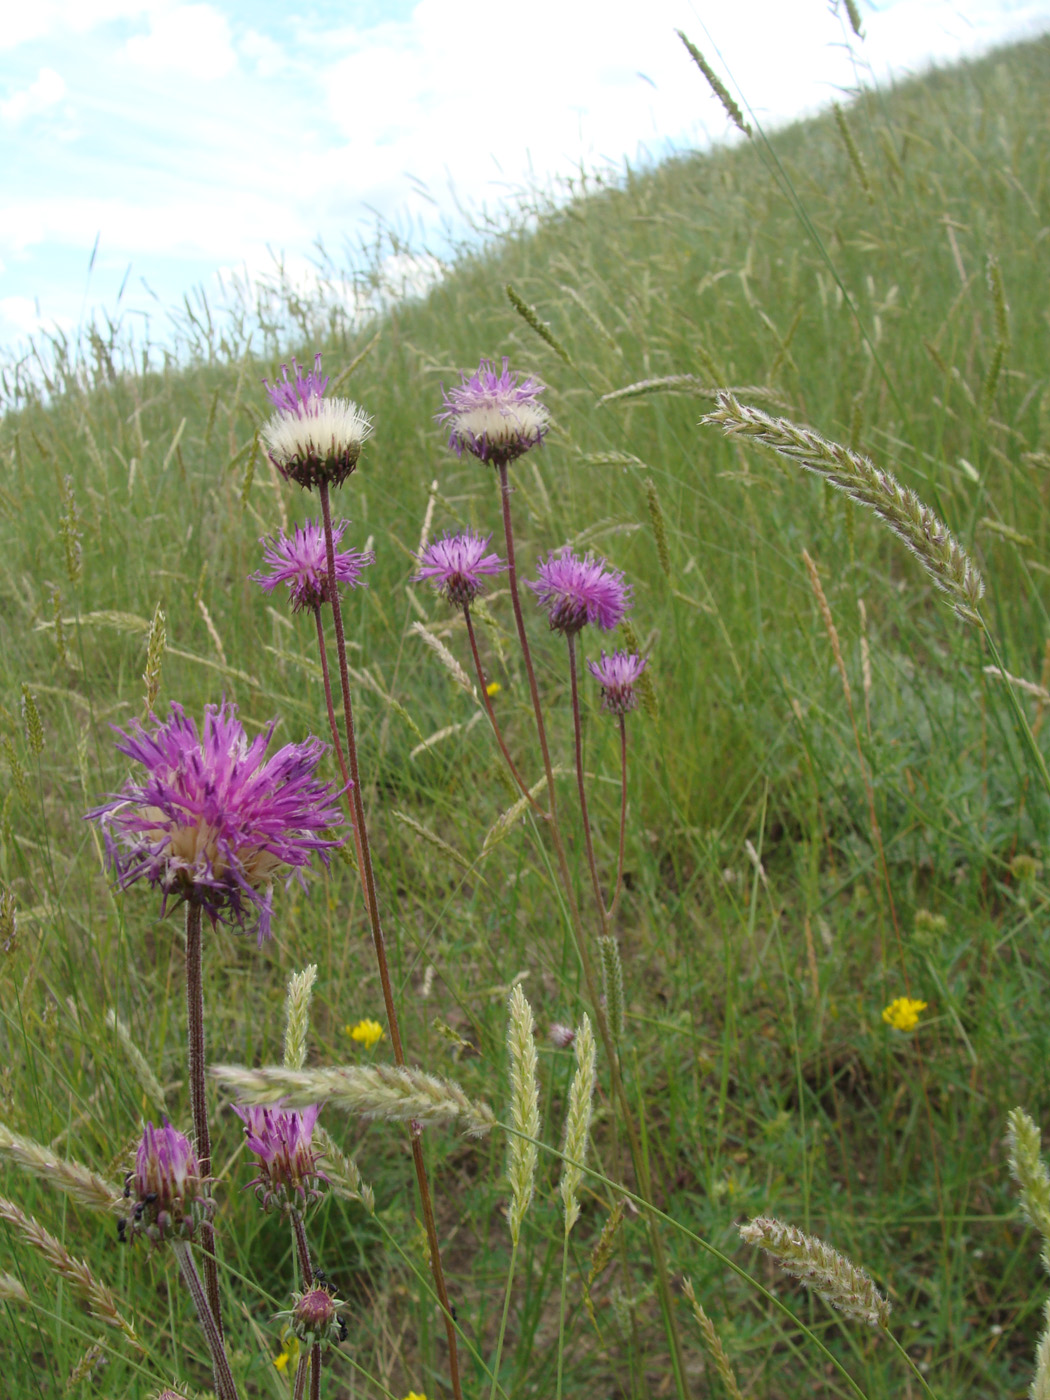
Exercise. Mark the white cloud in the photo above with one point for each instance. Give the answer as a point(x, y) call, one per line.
point(26, 22)
point(47, 88)
point(190, 40)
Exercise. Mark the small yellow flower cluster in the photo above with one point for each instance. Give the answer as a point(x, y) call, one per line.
point(366, 1033)
point(493, 688)
point(903, 1013)
point(290, 1352)
point(413, 1396)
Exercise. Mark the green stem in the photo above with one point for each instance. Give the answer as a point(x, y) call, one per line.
point(503, 1321)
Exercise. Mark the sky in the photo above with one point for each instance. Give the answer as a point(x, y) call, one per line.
point(162, 144)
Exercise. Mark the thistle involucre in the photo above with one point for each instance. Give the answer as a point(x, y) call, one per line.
point(497, 416)
point(214, 821)
point(311, 439)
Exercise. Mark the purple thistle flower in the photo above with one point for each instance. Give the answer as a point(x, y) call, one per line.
point(456, 566)
point(170, 1195)
point(213, 821)
point(301, 562)
point(617, 675)
point(311, 439)
point(282, 1141)
point(314, 1317)
point(577, 591)
point(497, 416)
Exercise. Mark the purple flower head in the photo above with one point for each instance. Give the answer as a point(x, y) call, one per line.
point(577, 591)
point(617, 675)
point(301, 562)
point(169, 1193)
point(314, 1317)
point(497, 416)
point(457, 564)
point(311, 439)
point(282, 1141)
point(214, 821)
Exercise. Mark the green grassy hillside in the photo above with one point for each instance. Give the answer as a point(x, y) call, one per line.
point(892, 292)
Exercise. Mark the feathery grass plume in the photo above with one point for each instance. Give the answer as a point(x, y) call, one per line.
point(148, 1082)
point(716, 85)
point(249, 471)
point(86, 1187)
point(12, 1290)
point(505, 822)
point(1023, 1141)
point(432, 839)
point(89, 1364)
point(395, 1093)
point(854, 18)
point(344, 1177)
point(602, 1253)
point(156, 643)
point(1038, 692)
point(829, 622)
point(96, 1297)
point(578, 1122)
point(997, 291)
point(713, 1342)
point(297, 1016)
point(853, 151)
point(644, 684)
point(31, 723)
point(524, 1110)
point(18, 773)
point(915, 525)
point(612, 984)
point(830, 1274)
point(531, 318)
point(1040, 1387)
point(70, 532)
point(656, 517)
point(446, 658)
point(8, 920)
point(55, 599)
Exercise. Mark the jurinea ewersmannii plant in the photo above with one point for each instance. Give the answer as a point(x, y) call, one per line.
point(310, 439)
point(495, 414)
point(618, 675)
point(457, 566)
point(213, 820)
point(576, 591)
point(300, 562)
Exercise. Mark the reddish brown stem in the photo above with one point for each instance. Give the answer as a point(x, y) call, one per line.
point(364, 865)
point(623, 818)
point(522, 785)
point(198, 1092)
point(581, 787)
point(322, 652)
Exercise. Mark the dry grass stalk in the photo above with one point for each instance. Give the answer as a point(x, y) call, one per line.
point(679, 383)
point(612, 984)
point(1038, 692)
point(602, 1254)
point(446, 658)
point(148, 1082)
point(297, 1016)
point(656, 518)
point(86, 1187)
point(713, 1342)
point(830, 1274)
point(946, 562)
point(531, 318)
point(155, 647)
point(432, 839)
point(506, 821)
point(853, 151)
point(578, 1122)
point(12, 1290)
point(716, 85)
point(829, 623)
point(96, 1297)
point(524, 1110)
point(395, 1093)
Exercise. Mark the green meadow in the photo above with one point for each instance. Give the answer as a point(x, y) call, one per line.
point(819, 822)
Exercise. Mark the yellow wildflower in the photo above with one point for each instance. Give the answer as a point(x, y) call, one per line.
point(366, 1033)
point(282, 1361)
point(493, 688)
point(413, 1396)
point(903, 1013)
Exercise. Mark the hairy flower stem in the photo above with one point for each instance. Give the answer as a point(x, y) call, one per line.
point(302, 1249)
point(364, 865)
point(522, 785)
point(623, 818)
point(638, 1157)
point(302, 1370)
point(322, 652)
point(198, 1093)
point(581, 788)
point(225, 1386)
